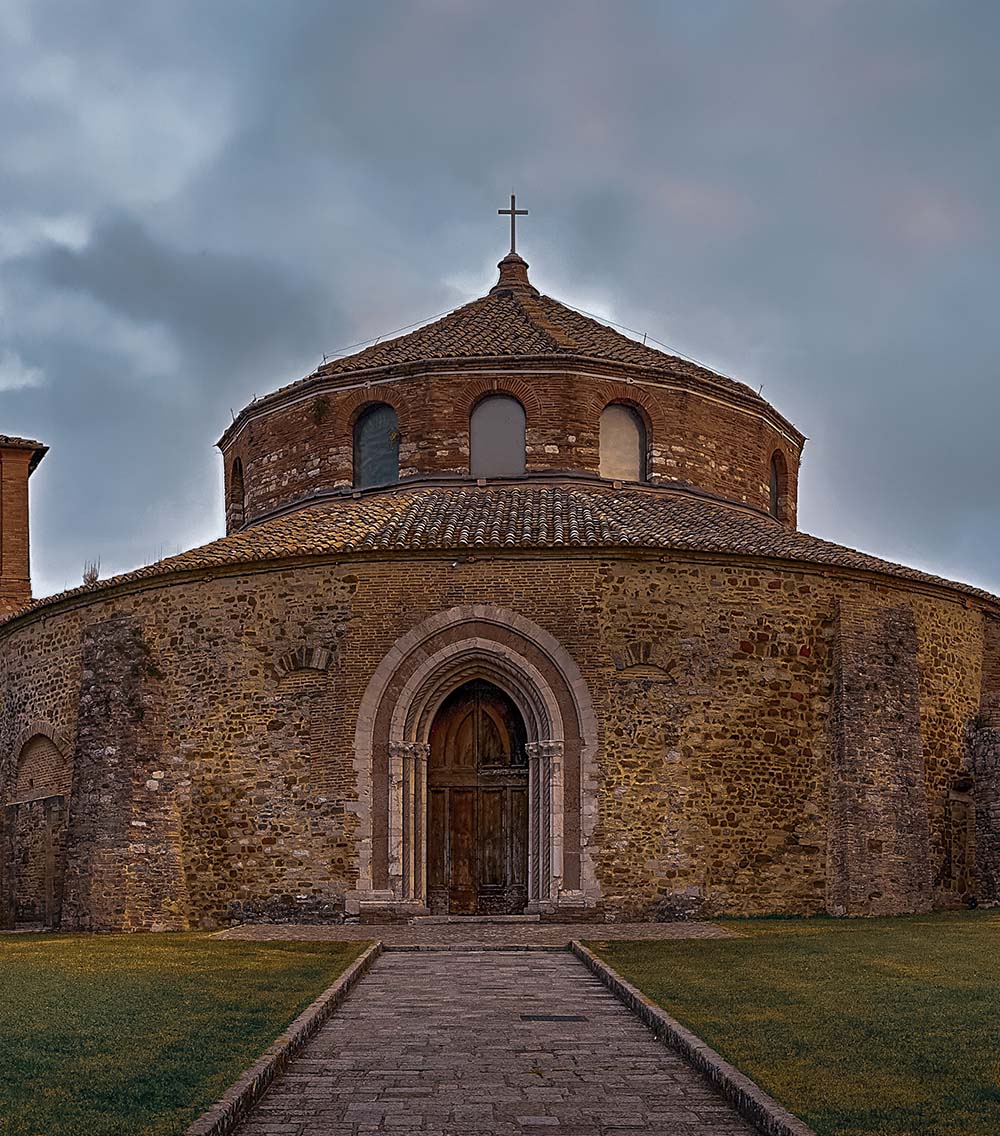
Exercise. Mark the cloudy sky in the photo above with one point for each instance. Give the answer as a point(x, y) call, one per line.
point(198, 199)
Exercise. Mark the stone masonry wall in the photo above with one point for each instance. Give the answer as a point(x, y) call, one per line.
point(985, 757)
point(879, 825)
point(214, 721)
point(990, 692)
point(298, 451)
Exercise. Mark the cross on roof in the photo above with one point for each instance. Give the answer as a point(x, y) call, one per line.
point(513, 212)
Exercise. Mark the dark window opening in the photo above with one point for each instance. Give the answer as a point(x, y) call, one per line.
point(497, 438)
point(376, 447)
point(778, 486)
point(236, 510)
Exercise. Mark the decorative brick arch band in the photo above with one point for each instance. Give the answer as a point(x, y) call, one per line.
point(392, 745)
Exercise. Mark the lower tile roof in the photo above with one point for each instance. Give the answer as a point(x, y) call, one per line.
point(508, 516)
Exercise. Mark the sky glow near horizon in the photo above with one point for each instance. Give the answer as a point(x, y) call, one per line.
point(198, 201)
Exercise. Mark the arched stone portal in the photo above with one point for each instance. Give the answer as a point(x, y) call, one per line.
point(392, 743)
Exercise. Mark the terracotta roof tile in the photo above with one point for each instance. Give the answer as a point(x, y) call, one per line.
point(465, 519)
point(512, 322)
point(516, 323)
point(26, 443)
point(8, 441)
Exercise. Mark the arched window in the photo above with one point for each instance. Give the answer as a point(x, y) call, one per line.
point(496, 437)
point(376, 447)
point(236, 505)
point(778, 486)
point(623, 444)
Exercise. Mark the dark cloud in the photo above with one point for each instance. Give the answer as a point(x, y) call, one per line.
point(197, 200)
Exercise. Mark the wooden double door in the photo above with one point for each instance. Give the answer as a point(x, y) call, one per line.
point(477, 805)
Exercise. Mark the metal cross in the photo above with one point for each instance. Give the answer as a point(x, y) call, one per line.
point(513, 212)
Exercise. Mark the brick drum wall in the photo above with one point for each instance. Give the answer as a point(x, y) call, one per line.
point(296, 452)
point(769, 740)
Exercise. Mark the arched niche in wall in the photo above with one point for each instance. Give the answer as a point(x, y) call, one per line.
point(497, 437)
point(32, 852)
point(236, 504)
point(623, 444)
point(778, 486)
point(376, 447)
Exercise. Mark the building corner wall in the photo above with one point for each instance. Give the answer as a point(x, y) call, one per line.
point(123, 867)
point(879, 837)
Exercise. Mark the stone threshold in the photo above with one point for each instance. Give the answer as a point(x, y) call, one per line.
point(459, 920)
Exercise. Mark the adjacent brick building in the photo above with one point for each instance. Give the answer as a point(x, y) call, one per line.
point(512, 614)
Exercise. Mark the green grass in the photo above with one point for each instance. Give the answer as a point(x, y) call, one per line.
point(119, 1035)
point(884, 1027)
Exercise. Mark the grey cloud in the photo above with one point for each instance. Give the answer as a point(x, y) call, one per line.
point(802, 195)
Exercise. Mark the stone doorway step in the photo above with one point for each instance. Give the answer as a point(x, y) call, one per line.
point(459, 920)
point(470, 1043)
point(472, 936)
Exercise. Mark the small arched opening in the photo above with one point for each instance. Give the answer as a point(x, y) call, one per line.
point(376, 447)
point(236, 503)
point(623, 444)
point(497, 437)
point(778, 486)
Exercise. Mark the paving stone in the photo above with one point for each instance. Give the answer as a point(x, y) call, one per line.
point(435, 1043)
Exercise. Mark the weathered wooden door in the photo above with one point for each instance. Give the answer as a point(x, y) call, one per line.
point(477, 805)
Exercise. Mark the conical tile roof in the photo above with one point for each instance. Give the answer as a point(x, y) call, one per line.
point(513, 320)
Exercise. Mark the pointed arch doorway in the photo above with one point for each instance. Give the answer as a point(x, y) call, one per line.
point(477, 805)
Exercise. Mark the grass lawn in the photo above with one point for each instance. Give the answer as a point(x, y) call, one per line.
point(115, 1035)
point(859, 1027)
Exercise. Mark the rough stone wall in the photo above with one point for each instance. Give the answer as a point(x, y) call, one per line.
point(949, 658)
point(295, 452)
point(990, 688)
point(879, 830)
point(107, 752)
point(214, 748)
point(715, 745)
point(32, 853)
point(984, 747)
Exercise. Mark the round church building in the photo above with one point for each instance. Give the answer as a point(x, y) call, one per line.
point(512, 616)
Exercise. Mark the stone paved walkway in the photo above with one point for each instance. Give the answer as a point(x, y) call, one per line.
point(478, 935)
point(458, 1043)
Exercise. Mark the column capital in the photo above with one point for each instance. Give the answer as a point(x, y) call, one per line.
point(548, 749)
point(411, 751)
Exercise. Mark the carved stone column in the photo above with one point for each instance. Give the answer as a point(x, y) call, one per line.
point(407, 838)
point(545, 804)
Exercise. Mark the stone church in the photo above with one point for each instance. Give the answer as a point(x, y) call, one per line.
point(512, 616)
